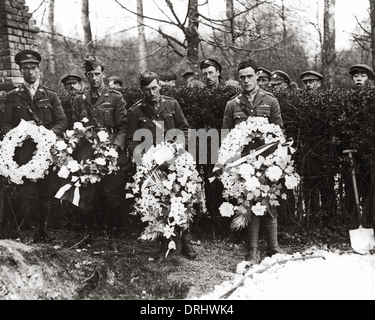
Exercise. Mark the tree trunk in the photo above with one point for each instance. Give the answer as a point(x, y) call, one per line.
point(372, 19)
point(142, 46)
point(51, 31)
point(229, 15)
point(192, 36)
point(87, 26)
point(329, 43)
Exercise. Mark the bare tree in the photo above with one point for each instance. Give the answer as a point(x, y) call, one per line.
point(142, 47)
point(372, 34)
point(85, 17)
point(329, 42)
point(51, 31)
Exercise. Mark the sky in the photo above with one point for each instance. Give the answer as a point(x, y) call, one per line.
point(108, 17)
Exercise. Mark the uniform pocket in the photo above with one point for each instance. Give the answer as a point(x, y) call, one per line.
point(239, 117)
point(107, 114)
point(168, 118)
point(263, 111)
point(44, 110)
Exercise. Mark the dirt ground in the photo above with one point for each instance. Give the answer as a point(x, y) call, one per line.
point(70, 268)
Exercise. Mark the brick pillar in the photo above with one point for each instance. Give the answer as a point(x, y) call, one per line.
point(17, 32)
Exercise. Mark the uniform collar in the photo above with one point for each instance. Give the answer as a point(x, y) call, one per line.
point(35, 85)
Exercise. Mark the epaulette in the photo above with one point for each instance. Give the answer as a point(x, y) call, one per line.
point(115, 91)
point(47, 88)
point(136, 104)
point(267, 93)
point(236, 96)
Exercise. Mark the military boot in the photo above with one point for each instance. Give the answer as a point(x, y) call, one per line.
point(163, 248)
point(186, 248)
point(252, 239)
point(112, 225)
point(252, 256)
point(270, 226)
point(40, 234)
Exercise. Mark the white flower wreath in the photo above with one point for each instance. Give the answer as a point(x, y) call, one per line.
point(39, 164)
point(253, 183)
point(89, 170)
point(166, 198)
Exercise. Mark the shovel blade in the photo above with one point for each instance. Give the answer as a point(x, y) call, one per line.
point(362, 240)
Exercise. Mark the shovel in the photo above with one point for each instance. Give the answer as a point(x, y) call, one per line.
point(362, 240)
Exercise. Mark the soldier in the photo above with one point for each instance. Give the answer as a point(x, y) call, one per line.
point(115, 83)
point(190, 82)
point(311, 80)
point(264, 78)
point(280, 80)
point(254, 102)
point(31, 101)
point(363, 78)
point(211, 71)
point(168, 79)
point(72, 85)
point(362, 75)
point(106, 110)
point(147, 114)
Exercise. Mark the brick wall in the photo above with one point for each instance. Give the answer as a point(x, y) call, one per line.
point(17, 32)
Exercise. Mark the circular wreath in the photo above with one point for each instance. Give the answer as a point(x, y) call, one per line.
point(40, 162)
point(166, 187)
point(92, 170)
point(254, 181)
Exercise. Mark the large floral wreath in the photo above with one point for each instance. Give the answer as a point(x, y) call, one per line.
point(87, 171)
point(166, 187)
point(254, 181)
point(41, 160)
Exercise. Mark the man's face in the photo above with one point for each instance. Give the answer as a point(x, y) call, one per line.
point(264, 83)
point(311, 84)
point(360, 79)
point(280, 86)
point(30, 72)
point(248, 79)
point(211, 76)
point(152, 91)
point(72, 87)
point(96, 78)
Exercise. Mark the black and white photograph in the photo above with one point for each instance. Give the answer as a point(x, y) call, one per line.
point(187, 155)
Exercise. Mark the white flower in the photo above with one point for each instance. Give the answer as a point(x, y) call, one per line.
point(85, 120)
point(226, 209)
point(111, 153)
point(258, 209)
point(64, 172)
point(103, 136)
point(252, 183)
point(78, 126)
point(291, 181)
point(246, 170)
point(100, 161)
point(274, 173)
point(73, 166)
point(61, 145)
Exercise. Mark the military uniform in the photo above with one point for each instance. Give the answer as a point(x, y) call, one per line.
point(143, 116)
point(149, 114)
point(107, 113)
point(45, 109)
point(67, 101)
point(240, 108)
point(106, 110)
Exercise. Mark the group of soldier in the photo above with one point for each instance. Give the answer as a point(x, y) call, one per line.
point(106, 109)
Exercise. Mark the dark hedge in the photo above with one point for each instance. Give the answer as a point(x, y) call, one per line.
point(322, 124)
